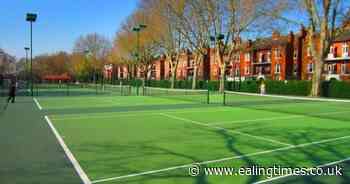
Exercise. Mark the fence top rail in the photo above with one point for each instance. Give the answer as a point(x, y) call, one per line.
point(180, 90)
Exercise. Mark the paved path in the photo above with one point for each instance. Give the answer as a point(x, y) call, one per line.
point(29, 152)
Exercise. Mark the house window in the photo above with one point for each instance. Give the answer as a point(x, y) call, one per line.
point(344, 69)
point(295, 67)
point(295, 54)
point(277, 68)
point(260, 57)
point(310, 68)
point(331, 68)
point(278, 53)
point(309, 51)
point(236, 58)
point(345, 50)
point(247, 70)
point(269, 56)
point(331, 49)
point(237, 72)
point(247, 56)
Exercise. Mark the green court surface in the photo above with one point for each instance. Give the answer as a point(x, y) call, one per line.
point(155, 139)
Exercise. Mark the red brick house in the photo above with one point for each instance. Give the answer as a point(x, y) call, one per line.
point(279, 57)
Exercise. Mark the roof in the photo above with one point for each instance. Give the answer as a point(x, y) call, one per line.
point(57, 77)
point(345, 36)
point(268, 43)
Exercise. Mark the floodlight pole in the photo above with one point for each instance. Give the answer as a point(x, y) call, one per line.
point(31, 17)
point(26, 65)
point(31, 58)
point(137, 29)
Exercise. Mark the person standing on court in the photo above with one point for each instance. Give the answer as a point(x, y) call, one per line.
point(262, 88)
point(12, 92)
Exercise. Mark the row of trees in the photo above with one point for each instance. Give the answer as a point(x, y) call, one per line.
point(90, 54)
point(195, 25)
point(167, 29)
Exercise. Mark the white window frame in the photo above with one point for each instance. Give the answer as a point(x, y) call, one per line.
point(247, 56)
point(277, 68)
point(277, 53)
point(260, 56)
point(269, 56)
point(295, 68)
point(345, 50)
point(295, 54)
point(310, 68)
point(308, 51)
point(237, 72)
point(343, 69)
point(247, 70)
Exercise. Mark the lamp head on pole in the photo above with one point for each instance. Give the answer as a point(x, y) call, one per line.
point(31, 17)
point(26, 48)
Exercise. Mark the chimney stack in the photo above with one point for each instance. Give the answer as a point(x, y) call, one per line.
point(275, 35)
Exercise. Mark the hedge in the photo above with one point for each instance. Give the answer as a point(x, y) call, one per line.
point(291, 87)
point(336, 89)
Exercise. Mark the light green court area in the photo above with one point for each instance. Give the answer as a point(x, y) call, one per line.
point(158, 142)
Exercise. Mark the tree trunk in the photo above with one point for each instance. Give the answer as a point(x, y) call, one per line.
point(316, 79)
point(173, 76)
point(222, 77)
point(194, 78)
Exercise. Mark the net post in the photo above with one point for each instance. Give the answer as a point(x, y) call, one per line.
point(208, 93)
point(121, 88)
point(224, 98)
point(67, 88)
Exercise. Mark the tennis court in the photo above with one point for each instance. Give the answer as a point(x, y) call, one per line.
point(158, 136)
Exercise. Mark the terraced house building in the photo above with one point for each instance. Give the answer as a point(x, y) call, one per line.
point(278, 57)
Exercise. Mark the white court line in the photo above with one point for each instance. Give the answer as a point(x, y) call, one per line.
point(222, 159)
point(220, 128)
point(69, 154)
point(288, 175)
point(278, 118)
point(37, 104)
point(137, 113)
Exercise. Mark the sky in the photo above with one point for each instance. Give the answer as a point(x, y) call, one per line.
point(59, 23)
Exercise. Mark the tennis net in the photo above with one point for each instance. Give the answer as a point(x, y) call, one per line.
point(306, 106)
point(121, 90)
point(198, 96)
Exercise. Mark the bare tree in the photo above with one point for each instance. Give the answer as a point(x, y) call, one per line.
point(166, 33)
point(192, 25)
point(322, 17)
point(229, 20)
point(98, 47)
